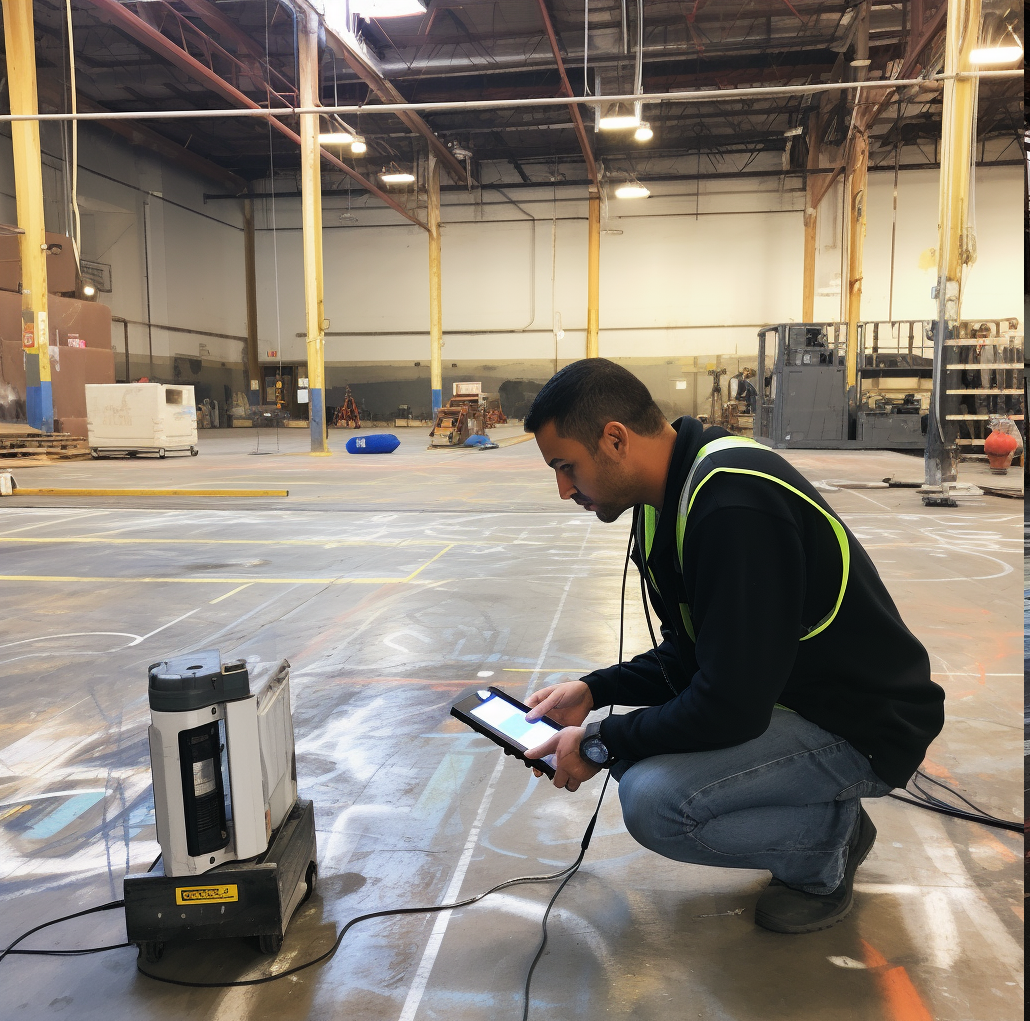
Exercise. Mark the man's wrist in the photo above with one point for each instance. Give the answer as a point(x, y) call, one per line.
point(592, 748)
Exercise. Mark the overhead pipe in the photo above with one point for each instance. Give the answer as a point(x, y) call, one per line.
point(652, 98)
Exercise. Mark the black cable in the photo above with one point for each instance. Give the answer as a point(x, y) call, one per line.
point(64, 918)
point(958, 813)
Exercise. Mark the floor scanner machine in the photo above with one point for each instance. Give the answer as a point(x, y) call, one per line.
point(237, 846)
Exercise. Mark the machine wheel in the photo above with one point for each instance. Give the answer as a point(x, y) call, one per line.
point(310, 879)
point(270, 944)
point(152, 952)
point(131, 453)
point(194, 451)
point(95, 454)
point(161, 452)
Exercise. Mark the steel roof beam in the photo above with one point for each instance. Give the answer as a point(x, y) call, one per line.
point(577, 119)
point(364, 67)
point(120, 17)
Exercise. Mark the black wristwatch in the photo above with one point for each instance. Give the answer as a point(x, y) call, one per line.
point(592, 749)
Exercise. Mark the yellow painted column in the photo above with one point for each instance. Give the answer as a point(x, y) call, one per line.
point(435, 286)
point(593, 274)
point(811, 222)
point(956, 246)
point(857, 185)
point(19, 39)
point(311, 211)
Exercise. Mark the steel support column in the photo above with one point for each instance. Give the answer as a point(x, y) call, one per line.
point(253, 366)
point(857, 191)
point(593, 274)
point(956, 247)
point(435, 290)
point(20, 43)
point(811, 220)
point(311, 212)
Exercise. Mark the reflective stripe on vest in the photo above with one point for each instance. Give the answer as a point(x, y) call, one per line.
point(696, 479)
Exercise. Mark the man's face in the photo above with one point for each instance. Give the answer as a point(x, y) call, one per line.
point(596, 482)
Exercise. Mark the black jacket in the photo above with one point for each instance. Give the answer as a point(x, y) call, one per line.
point(758, 565)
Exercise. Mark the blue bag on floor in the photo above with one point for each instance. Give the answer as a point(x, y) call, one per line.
point(477, 441)
point(377, 443)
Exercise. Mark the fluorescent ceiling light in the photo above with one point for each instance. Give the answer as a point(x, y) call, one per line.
point(996, 55)
point(643, 133)
point(358, 146)
point(335, 138)
point(396, 177)
point(387, 8)
point(631, 190)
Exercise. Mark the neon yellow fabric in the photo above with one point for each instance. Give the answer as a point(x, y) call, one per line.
point(689, 494)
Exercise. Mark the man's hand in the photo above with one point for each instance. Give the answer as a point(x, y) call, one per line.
point(568, 703)
point(570, 768)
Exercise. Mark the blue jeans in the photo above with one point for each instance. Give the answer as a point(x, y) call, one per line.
point(786, 801)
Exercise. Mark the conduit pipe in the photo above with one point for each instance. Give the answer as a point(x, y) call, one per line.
point(698, 96)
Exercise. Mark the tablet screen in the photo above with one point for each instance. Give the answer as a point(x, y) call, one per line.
point(511, 722)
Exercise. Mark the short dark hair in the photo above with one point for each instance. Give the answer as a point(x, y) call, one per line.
point(582, 398)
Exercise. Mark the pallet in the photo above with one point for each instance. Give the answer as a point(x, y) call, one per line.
point(18, 440)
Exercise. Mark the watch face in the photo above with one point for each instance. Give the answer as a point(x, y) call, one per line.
point(596, 751)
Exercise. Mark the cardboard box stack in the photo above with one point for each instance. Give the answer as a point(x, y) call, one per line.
point(80, 340)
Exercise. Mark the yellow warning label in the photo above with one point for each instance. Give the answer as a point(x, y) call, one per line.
point(206, 894)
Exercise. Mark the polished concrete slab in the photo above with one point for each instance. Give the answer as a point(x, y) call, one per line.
point(391, 585)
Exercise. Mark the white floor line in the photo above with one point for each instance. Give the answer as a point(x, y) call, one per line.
point(418, 986)
point(943, 854)
point(163, 627)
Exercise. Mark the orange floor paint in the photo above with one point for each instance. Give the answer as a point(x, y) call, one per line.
point(901, 998)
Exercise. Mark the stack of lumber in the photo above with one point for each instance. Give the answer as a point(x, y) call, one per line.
point(21, 441)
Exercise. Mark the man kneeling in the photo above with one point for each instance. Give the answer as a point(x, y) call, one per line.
point(786, 687)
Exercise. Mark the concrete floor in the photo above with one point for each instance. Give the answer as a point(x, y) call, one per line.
point(391, 584)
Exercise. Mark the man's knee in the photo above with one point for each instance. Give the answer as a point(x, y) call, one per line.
point(652, 808)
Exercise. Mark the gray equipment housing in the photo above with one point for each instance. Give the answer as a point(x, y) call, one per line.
point(802, 385)
point(238, 849)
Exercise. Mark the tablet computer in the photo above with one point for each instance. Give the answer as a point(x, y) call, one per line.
point(496, 715)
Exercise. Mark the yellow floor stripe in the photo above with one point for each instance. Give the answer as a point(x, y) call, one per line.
point(151, 492)
point(417, 572)
point(94, 579)
point(321, 543)
point(239, 588)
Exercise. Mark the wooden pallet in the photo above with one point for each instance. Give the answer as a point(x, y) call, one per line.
point(18, 440)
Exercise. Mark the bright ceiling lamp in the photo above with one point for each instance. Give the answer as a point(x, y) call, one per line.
point(335, 138)
point(393, 175)
point(643, 133)
point(619, 117)
point(996, 55)
point(358, 146)
point(631, 190)
point(387, 8)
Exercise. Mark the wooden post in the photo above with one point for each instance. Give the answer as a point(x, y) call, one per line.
point(20, 43)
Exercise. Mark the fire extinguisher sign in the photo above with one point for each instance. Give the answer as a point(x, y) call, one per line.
point(28, 334)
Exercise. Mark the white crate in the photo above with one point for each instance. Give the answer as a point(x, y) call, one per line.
point(148, 417)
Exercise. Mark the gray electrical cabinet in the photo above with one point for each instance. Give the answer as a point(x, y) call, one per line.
point(802, 385)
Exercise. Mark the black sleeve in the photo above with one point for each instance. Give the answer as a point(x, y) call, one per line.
point(745, 580)
point(639, 681)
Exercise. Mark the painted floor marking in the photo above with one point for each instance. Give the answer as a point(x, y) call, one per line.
point(239, 588)
point(163, 627)
point(418, 986)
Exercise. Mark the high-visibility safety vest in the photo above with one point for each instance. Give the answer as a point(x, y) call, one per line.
point(736, 455)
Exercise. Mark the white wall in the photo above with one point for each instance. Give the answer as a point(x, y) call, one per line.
point(140, 213)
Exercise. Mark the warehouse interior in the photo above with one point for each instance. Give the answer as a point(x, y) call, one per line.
point(242, 240)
